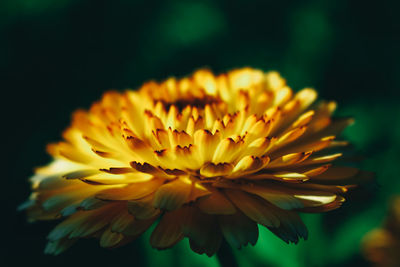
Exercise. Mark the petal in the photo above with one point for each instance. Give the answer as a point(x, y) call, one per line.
point(198, 191)
point(216, 203)
point(280, 176)
point(316, 171)
point(250, 164)
point(206, 143)
point(172, 195)
point(168, 232)
point(80, 174)
point(83, 223)
point(336, 126)
point(304, 119)
point(137, 227)
point(57, 200)
point(214, 170)
point(261, 128)
point(118, 170)
point(288, 138)
point(51, 182)
point(110, 239)
point(91, 203)
point(143, 208)
point(319, 159)
point(282, 95)
point(288, 160)
point(238, 229)
point(140, 149)
point(344, 176)
point(324, 208)
point(311, 145)
point(226, 151)
point(117, 179)
point(289, 198)
point(253, 208)
point(58, 246)
point(291, 228)
point(132, 191)
point(202, 231)
point(280, 199)
point(68, 152)
point(149, 169)
point(121, 222)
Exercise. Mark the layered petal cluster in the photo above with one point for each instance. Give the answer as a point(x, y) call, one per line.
point(204, 157)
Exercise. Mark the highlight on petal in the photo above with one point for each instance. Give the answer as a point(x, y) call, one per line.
point(132, 191)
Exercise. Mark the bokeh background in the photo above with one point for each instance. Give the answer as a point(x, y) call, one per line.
point(57, 56)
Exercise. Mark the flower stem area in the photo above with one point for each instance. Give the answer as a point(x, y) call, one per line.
point(225, 255)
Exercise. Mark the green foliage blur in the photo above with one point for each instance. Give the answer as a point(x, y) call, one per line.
point(57, 56)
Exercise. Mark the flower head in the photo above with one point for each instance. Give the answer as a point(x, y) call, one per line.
point(205, 157)
point(381, 245)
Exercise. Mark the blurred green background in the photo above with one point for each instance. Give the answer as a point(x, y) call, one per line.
point(57, 56)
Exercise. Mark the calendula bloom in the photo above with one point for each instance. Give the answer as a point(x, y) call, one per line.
point(205, 157)
point(381, 246)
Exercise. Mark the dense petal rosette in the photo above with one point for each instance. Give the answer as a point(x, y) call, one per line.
point(205, 157)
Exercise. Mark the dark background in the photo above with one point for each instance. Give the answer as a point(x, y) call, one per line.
point(57, 56)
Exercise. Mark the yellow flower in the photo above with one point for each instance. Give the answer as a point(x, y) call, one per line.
point(205, 157)
point(381, 246)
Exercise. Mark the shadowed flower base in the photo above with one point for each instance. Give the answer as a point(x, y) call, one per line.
point(207, 157)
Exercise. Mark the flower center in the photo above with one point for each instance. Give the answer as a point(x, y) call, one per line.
point(198, 102)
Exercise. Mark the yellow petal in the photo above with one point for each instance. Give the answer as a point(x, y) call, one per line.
point(132, 191)
point(206, 143)
point(226, 151)
point(288, 160)
point(280, 176)
point(250, 164)
point(214, 170)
